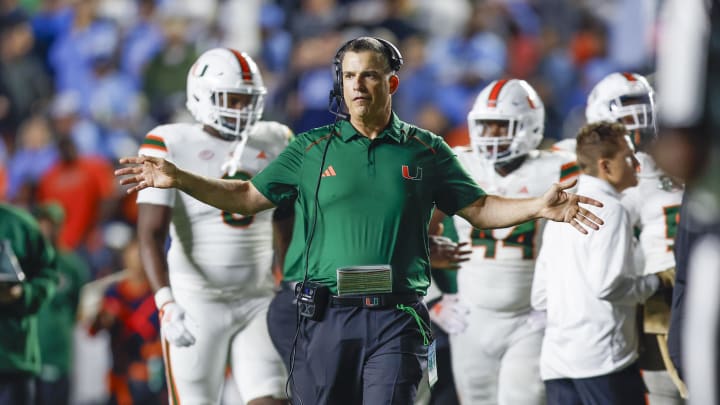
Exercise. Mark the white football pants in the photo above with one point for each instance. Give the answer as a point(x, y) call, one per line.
point(227, 332)
point(496, 360)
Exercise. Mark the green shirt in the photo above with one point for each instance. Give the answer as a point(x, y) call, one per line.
point(294, 268)
point(374, 201)
point(19, 348)
point(57, 319)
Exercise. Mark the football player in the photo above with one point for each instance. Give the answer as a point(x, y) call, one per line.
point(214, 285)
point(654, 207)
point(495, 338)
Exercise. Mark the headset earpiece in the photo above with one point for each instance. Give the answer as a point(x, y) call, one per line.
point(337, 70)
point(396, 59)
point(337, 90)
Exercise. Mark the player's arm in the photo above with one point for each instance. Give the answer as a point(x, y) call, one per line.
point(458, 194)
point(153, 226)
point(609, 273)
point(236, 196)
point(492, 211)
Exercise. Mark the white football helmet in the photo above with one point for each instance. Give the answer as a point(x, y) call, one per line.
point(215, 79)
point(516, 102)
point(623, 97)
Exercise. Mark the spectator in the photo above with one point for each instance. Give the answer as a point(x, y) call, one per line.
point(72, 52)
point(556, 79)
point(420, 79)
point(23, 81)
point(314, 18)
point(400, 19)
point(56, 320)
point(84, 187)
point(128, 313)
point(51, 18)
point(467, 62)
point(523, 51)
point(443, 19)
point(238, 23)
point(143, 40)
point(309, 80)
point(67, 121)
point(35, 154)
point(631, 27)
point(164, 77)
point(115, 106)
point(20, 300)
point(277, 43)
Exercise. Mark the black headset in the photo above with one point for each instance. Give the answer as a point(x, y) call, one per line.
point(336, 94)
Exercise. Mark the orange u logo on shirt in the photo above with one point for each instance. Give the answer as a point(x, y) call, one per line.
point(406, 173)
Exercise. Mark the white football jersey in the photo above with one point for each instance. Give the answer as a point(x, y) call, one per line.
point(499, 274)
point(212, 249)
point(654, 207)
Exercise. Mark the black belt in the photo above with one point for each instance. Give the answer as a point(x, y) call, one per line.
point(374, 300)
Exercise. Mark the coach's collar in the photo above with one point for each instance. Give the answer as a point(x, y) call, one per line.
point(396, 130)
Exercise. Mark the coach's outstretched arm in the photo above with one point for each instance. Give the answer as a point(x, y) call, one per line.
point(237, 196)
point(556, 204)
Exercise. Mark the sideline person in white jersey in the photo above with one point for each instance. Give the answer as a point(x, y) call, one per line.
point(214, 287)
point(654, 208)
point(589, 287)
point(495, 357)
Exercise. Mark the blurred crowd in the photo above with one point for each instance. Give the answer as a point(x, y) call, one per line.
point(82, 81)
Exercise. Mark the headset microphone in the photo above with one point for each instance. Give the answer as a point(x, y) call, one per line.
point(335, 103)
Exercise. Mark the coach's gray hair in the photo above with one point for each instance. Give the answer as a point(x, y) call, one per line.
point(368, 44)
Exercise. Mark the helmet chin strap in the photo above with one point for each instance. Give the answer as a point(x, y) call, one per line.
point(232, 165)
point(506, 167)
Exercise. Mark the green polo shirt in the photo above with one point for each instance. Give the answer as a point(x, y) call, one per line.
point(294, 267)
point(19, 347)
point(374, 200)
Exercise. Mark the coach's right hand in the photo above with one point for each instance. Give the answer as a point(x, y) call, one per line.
point(147, 171)
point(173, 321)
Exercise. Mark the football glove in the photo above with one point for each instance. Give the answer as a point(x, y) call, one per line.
point(173, 320)
point(450, 314)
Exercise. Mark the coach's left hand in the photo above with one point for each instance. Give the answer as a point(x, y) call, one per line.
point(562, 206)
point(446, 254)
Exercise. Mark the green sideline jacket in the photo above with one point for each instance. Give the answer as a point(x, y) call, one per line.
point(19, 347)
